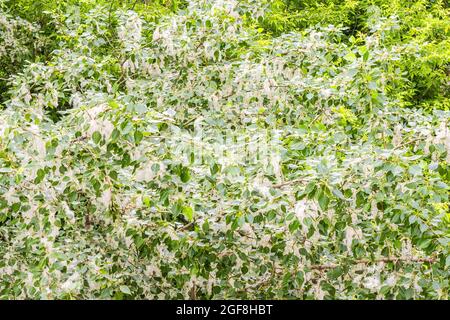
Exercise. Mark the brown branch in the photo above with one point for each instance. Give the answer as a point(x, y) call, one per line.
point(193, 292)
point(187, 226)
point(287, 183)
point(321, 267)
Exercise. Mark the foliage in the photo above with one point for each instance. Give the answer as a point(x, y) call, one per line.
point(424, 24)
point(186, 153)
point(19, 41)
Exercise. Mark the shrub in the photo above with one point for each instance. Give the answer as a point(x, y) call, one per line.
point(193, 156)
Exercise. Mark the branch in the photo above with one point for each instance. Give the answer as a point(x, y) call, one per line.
point(321, 267)
point(187, 226)
point(287, 183)
point(134, 4)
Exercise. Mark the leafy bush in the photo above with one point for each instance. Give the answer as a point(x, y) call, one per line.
point(423, 24)
point(193, 156)
point(19, 41)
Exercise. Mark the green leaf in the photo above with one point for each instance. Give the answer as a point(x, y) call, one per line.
point(310, 187)
point(146, 200)
point(115, 134)
point(40, 174)
point(338, 194)
point(205, 226)
point(424, 243)
point(140, 108)
point(125, 290)
point(294, 225)
point(113, 104)
point(185, 174)
point(138, 137)
point(15, 207)
point(415, 170)
point(323, 201)
point(188, 213)
point(350, 57)
point(366, 55)
point(96, 137)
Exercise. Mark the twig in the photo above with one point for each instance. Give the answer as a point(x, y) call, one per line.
point(287, 183)
point(367, 261)
point(134, 4)
point(187, 226)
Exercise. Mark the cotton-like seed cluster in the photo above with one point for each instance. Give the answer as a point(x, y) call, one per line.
point(443, 136)
point(96, 123)
point(397, 138)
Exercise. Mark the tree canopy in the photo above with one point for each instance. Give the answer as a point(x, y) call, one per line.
point(224, 149)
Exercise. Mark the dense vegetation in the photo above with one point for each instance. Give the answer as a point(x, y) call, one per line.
point(224, 149)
